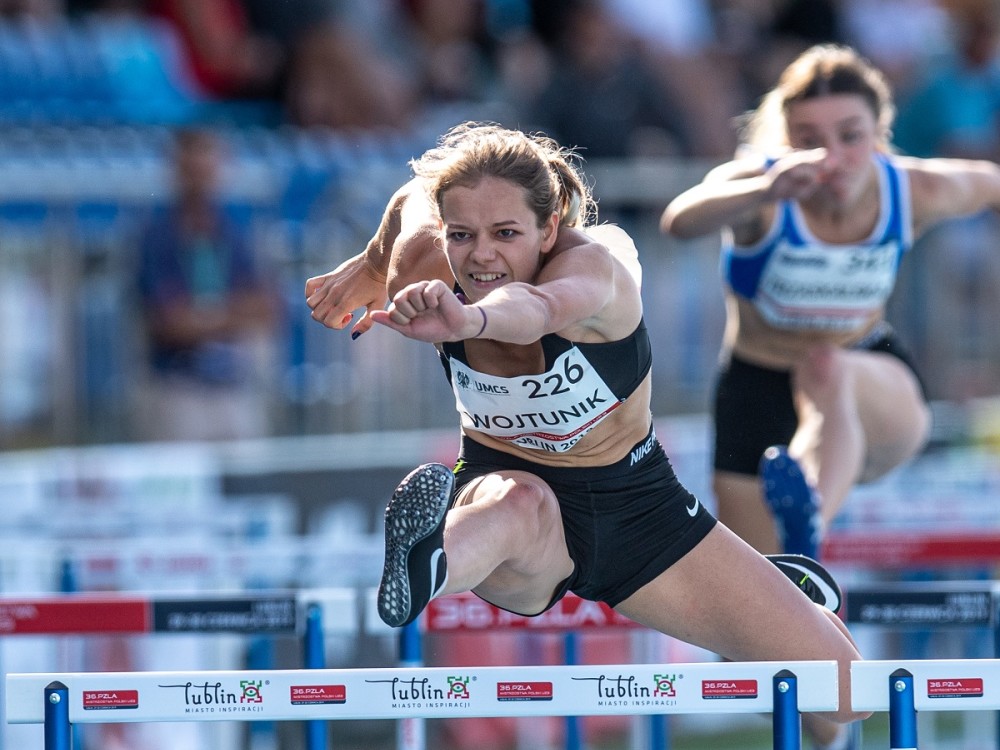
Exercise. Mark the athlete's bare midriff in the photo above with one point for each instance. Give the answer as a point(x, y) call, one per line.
point(753, 339)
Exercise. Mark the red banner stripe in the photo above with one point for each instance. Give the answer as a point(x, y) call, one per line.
point(74, 616)
point(900, 550)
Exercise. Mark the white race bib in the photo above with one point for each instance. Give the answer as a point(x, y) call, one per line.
point(548, 412)
point(827, 287)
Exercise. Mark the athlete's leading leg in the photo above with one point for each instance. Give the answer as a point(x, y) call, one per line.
point(502, 537)
point(861, 414)
point(505, 541)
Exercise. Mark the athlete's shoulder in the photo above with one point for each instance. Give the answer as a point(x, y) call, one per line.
point(621, 245)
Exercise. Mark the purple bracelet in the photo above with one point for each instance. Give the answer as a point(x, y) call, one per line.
point(483, 326)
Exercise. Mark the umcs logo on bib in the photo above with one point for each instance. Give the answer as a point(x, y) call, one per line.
point(466, 382)
point(500, 390)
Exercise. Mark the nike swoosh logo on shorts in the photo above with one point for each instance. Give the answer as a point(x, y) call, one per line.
point(693, 509)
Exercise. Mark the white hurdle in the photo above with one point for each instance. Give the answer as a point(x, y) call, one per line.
point(905, 687)
point(783, 689)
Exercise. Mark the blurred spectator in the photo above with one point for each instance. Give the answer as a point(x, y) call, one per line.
point(809, 21)
point(286, 20)
point(207, 308)
point(336, 79)
point(99, 62)
point(398, 64)
point(42, 10)
point(229, 59)
point(896, 35)
point(680, 38)
point(524, 66)
point(953, 110)
point(602, 97)
point(684, 27)
point(144, 74)
point(758, 40)
point(449, 41)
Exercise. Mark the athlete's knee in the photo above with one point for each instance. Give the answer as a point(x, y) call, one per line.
point(822, 373)
point(845, 714)
point(823, 364)
point(533, 504)
point(885, 457)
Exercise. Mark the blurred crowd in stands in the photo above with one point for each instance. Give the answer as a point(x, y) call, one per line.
point(307, 92)
point(614, 77)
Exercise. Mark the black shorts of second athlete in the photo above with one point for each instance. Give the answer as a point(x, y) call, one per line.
point(624, 523)
point(753, 406)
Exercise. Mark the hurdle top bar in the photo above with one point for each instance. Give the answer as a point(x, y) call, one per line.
point(433, 692)
point(938, 684)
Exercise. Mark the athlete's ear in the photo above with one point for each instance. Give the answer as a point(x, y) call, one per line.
point(549, 232)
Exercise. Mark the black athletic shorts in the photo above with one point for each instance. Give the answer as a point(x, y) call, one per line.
point(624, 524)
point(753, 406)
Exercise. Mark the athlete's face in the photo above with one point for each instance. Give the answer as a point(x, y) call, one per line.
point(492, 236)
point(845, 126)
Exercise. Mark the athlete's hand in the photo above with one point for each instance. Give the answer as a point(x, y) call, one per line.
point(333, 297)
point(798, 174)
point(430, 311)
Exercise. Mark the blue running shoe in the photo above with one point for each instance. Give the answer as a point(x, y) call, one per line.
point(792, 501)
point(416, 568)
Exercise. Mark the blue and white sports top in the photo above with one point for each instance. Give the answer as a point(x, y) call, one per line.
point(799, 282)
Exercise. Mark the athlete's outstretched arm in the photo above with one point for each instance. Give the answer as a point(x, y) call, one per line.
point(947, 188)
point(581, 287)
point(735, 193)
point(402, 250)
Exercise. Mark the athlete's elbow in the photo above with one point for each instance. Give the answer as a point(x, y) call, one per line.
point(666, 222)
point(677, 225)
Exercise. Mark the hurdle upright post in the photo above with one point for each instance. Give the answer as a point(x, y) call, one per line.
point(68, 585)
point(314, 657)
point(410, 732)
point(572, 723)
point(902, 713)
point(995, 625)
point(58, 730)
point(787, 724)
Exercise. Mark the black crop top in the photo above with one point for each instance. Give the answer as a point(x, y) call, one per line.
point(622, 364)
